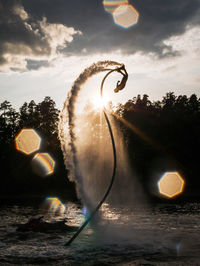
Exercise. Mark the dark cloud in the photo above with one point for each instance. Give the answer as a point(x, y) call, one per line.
point(36, 64)
point(25, 36)
point(158, 21)
point(16, 37)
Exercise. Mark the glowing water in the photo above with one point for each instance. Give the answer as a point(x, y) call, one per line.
point(87, 148)
point(161, 236)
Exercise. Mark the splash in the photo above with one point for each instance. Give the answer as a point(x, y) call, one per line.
point(87, 148)
point(67, 128)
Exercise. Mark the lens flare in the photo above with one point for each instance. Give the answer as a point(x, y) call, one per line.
point(85, 211)
point(54, 206)
point(125, 16)
point(171, 184)
point(27, 141)
point(100, 102)
point(111, 5)
point(43, 164)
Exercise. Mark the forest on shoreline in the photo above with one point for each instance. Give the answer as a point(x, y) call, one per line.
point(160, 136)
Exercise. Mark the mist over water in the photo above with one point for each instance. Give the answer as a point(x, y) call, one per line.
point(67, 126)
point(87, 149)
point(160, 236)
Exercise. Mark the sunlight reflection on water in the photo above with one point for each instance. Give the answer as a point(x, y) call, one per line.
point(164, 234)
point(108, 213)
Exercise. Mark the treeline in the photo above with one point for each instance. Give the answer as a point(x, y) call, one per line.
point(17, 176)
point(160, 136)
point(163, 136)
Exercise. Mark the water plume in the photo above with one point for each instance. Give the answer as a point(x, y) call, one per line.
point(87, 147)
point(67, 128)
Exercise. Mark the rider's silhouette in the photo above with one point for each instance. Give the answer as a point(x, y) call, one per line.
point(122, 84)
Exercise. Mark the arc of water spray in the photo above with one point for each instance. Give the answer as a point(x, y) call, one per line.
point(120, 86)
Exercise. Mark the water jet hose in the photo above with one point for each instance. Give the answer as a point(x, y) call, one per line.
point(114, 165)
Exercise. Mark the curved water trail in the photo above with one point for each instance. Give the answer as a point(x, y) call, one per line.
point(90, 161)
point(67, 127)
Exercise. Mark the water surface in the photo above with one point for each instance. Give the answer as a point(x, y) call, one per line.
point(163, 235)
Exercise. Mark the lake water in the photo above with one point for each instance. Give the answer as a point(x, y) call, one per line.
point(161, 235)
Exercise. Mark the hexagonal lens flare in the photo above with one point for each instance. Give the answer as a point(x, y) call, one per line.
point(43, 164)
point(171, 184)
point(27, 141)
point(54, 206)
point(111, 5)
point(126, 16)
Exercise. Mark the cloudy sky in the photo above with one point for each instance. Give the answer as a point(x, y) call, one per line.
point(45, 44)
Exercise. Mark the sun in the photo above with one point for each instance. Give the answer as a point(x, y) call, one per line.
point(99, 102)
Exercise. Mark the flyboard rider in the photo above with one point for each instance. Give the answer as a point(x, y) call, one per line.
point(122, 84)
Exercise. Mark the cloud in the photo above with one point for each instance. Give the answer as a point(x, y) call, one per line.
point(158, 21)
point(57, 34)
point(146, 75)
point(186, 43)
point(24, 39)
point(33, 33)
point(19, 11)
